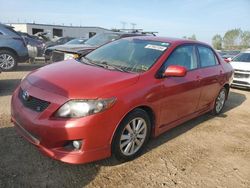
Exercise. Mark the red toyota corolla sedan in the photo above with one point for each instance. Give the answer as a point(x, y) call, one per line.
point(112, 100)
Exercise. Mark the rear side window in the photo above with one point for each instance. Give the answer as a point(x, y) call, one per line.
point(184, 56)
point(207, 57)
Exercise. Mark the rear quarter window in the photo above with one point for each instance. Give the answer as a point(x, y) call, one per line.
point(207, 57)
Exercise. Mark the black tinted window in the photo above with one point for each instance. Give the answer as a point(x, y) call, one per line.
point(184, 56)
point(207, 57)
point(243, 57)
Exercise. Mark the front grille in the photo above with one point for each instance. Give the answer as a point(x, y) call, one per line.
point(240, 82)
point(241, 70)
point(57, 56)
point(32, 103)
point(239, 75)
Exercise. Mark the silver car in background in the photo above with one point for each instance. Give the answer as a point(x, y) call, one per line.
point(241, 65)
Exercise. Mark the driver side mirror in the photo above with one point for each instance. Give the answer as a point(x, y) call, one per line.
point(175, 71)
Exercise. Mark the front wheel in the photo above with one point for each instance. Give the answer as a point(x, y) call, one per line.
point(131, 135)
point(8, 60)
point(220, 101)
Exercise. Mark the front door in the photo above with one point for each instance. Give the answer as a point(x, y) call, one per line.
point(180, 95)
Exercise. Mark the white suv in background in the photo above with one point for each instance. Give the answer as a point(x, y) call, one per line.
point(241, 65)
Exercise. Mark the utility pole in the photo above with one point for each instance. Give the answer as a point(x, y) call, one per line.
point(133, 26)
point(123, 24)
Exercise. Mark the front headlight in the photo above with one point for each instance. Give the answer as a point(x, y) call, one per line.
point(81, 108)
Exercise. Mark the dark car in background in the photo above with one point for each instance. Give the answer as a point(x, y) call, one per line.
point(13, 48)
point(68, 52)
point(55, 42)
point(72, 43)
point(228, 55)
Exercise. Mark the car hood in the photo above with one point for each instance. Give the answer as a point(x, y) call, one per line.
point(74, 48)
point(76, 80)
point(240, 65)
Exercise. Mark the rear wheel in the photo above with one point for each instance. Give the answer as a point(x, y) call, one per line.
point(8, 60)
point(131, 135)
point(220, 101)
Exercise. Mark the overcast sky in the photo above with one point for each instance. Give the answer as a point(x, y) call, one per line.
point(174, 18)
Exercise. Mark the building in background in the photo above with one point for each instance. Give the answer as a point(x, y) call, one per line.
point(58, 30)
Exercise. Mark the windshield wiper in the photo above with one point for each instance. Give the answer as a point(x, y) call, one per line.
point(89, 62)
point(108, 66)
point(103, 64)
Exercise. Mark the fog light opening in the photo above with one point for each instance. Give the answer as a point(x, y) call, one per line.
point(77, 144)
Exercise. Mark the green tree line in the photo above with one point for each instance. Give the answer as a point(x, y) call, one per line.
point(234, 39)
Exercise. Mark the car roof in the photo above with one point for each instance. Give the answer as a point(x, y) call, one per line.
point(169, 40)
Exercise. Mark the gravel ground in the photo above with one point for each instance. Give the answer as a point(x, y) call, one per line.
point(205, 152)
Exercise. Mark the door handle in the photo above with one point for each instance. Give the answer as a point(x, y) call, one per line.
point(198, 78)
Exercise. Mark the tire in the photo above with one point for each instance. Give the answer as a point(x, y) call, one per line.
point(220, 101)
point(128, 143)
point(8, 60)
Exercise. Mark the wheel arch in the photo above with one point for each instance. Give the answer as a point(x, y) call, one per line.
point(150, 113)
point(227, 87)
point(11, 50)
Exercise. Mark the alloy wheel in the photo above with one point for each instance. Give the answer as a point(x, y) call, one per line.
point(133, 136)
point(220, 101)
point(7, 62)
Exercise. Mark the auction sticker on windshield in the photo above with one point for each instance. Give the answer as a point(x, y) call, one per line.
point(156, 47)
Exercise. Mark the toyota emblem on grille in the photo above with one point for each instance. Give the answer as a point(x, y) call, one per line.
point(25, 95)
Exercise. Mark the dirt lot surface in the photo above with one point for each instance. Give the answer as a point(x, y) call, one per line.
point(205, 152)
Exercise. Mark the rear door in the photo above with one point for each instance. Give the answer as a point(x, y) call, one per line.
point(180, 95)
point(212, 75)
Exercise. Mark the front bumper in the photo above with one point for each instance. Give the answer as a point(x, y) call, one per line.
point(241, 78)
point(51, 135)
point(57, 56)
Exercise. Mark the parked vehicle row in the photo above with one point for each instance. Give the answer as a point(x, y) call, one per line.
point(17, 47)
point(68, 51)
point(229, 54)
point(72, 43)
point(113, 99)
point(12, 48)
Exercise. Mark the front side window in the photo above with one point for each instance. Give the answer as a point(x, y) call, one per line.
point(133, 55)
point(184, 56)
point(207, 57)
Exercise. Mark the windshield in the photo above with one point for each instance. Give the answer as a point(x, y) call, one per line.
point(133, 55)
point(101, 39)
point(76, 41)
point(242, 57)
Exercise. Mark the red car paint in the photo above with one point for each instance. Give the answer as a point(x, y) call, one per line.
point(173, 100)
